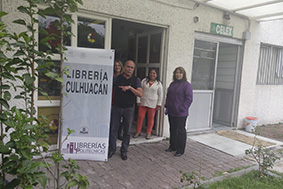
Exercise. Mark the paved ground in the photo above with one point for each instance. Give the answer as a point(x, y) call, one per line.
point(149, 166)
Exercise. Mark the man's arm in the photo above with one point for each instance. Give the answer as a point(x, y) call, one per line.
point(137, 92)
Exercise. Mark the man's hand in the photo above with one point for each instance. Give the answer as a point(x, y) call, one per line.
point(125, 88)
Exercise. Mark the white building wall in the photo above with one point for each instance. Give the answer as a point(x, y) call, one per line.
point(177, 17)
point(262, 101)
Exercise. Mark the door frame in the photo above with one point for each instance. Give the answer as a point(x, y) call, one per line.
point(159, 119)
point(240, 44)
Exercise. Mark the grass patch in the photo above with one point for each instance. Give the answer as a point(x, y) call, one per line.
point(239, 168)
point(280, 151)
point(220, 173)
point(249, 180)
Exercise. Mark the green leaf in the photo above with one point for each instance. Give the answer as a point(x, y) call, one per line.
point(60, 79)
point(30, 28)
point(25, 36)
point(72, 183)
point(80, 2)
point(28, 79)
point(51, 74)
point(40, 13)
point(43, 31)
point(43, 93)
point(4, 150)
point(18, 44)
point(8, 76)
point(23, 9)
point(4, 103)
point(28, 127)
point(19, 53)
point(13, 184)
point(70, 131)
point(2, 14)
point(7, 95)
point(3, 87)
point(3, 117)
point(20, 21)
point(42, 179)
point(2, 55)
point(10, 144)
point(19, 97)
point(49, 11)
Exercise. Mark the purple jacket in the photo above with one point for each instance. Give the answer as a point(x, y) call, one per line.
point(179, 98)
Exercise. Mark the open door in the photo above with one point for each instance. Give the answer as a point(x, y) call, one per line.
point(149, 54)
point(144, 44)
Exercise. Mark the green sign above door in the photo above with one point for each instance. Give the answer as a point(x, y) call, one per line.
point(220, 29)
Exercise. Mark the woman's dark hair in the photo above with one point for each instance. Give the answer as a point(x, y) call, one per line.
point(157, 73)
point(182, 70)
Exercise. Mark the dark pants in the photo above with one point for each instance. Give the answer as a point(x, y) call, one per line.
point(116, 113)
point(178, 133)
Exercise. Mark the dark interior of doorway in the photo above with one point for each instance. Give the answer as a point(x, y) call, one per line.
point(123, 41)
point(124, 38)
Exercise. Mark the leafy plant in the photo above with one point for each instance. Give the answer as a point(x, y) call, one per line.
point(263, 156)
point(21, 148)
point(27, 137)
point(192, 177)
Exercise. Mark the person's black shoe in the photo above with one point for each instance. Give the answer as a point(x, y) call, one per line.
point(124, 156)
point(110, 154)
point(169, 150)
point(178, 154)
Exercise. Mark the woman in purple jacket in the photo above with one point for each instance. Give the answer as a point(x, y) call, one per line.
point(178, 100)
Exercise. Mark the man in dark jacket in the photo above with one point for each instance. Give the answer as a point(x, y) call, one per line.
point(127, 88)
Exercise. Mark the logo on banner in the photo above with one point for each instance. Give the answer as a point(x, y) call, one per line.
point(84, 130)
point(85, 148)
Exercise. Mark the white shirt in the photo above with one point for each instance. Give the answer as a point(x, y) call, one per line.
point(152, 96)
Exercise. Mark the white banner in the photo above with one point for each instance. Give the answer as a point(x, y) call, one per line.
point(87, 103)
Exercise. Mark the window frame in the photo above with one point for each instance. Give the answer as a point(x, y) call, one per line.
point(270, 58)
point(74, 30)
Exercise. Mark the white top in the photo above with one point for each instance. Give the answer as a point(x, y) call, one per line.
point(152, 96)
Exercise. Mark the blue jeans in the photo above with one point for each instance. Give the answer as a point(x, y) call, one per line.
point(116, 114)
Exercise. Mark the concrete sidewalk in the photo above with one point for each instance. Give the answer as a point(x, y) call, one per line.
point(149, 166)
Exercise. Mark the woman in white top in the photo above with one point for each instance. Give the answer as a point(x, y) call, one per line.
point(150, 101)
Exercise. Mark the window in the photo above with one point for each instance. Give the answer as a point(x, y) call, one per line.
point(91, 33)
point(49, 24)
point(50, 86)
point(270, 68)
point(52, 114)
point(88, 33)
point(203, 65)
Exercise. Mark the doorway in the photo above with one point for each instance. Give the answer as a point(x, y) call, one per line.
point(215, 81)
point(144, 44)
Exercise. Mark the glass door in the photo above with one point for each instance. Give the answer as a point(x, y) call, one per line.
point(226, 84)
point(203, 79)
